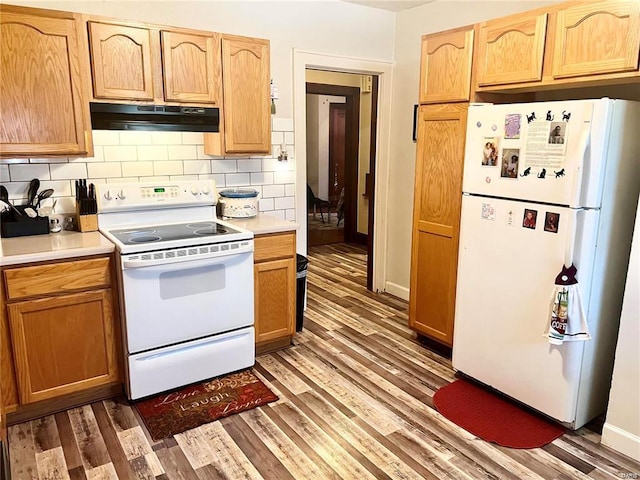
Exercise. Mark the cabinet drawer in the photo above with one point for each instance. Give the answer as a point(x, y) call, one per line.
point(56, 278)
point(274, 246)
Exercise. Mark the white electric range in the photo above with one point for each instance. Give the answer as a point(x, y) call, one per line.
point(187, 283)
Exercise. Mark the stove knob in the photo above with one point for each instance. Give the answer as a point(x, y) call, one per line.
point(107, 195)
point(195, 190)
point(122, 195)
point(205, 190)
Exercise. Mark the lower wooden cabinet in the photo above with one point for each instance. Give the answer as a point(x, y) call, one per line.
point(63, 344)
point(436, 219)
point(275, 290)
point(58, 335)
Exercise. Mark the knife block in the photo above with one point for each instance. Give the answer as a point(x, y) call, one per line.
point(86, 223)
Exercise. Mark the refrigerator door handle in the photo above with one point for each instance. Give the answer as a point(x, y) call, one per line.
point(576, 188)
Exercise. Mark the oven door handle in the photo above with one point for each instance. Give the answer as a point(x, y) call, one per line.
point(173, 264)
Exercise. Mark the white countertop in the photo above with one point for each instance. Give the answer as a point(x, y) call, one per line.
point(54, 246)
point(263, 224)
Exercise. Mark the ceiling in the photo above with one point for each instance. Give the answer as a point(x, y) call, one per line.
point(391, 5)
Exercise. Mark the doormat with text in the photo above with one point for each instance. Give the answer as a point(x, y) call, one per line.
point(189, 407)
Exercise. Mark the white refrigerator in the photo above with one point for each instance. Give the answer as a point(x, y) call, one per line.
point(545, 184)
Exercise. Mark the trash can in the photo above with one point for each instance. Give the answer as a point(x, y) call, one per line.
point(301, 287)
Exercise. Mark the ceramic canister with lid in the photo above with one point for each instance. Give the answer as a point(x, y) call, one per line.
point(239, 202)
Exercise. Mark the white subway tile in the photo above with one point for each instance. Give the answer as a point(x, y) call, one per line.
point(21, 172)
point(65, 205)
point(282, 203)
point(276, 139)
point(290, 214)
point(120, 179)
point(284, 177)
point(290, 190)
point(202, 155)
point(218, 178)
point(265, 204)
point(49, 160)
point(273, 191)
point(282, 124)
point(166, 138)
point(104, 170)
point(279, 214)
point(182, 152)
point(161, 179)
point(14, 160)
point(60, 187)
point(262, 178)
point(153, 152)
point(137, 169)
point(17, 190)
point(289, 138)
point(170, 167)
point(106, 137)
point(4, 173)
point(237, 179)
point(98, 155)
point(61, 171)
point(127, 153)
point(135, 138)
point(197, 167)
point(183, 178)
point(192, 138)
point(249, 165)
point(224, 166)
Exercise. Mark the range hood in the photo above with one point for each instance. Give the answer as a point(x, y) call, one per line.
point(167, 118)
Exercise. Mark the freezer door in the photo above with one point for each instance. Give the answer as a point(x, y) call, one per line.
point(535, 152)
point(506, 273)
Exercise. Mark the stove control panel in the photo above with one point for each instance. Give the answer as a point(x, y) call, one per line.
point(138, 196)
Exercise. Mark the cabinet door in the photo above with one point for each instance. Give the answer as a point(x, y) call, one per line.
point(43, 106)
point(445, 67)
point(63, 344)
point(597, 37)
point(275, 299)
point(191, 67)
point(247, 111)
point(121, 62)
point(510, 50)
point(436, 219)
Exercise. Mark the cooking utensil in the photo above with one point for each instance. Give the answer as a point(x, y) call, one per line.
point(43, 195)
point(4, 194)
point(4, 206)
point(34, 185)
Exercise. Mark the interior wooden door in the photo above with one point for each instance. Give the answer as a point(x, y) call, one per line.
point(246, 90)
point(121, 62)
point(436, 219)
point(191, 67)
point(43, 106)
point(600, 37)
point(510, 49)
point(337, 150)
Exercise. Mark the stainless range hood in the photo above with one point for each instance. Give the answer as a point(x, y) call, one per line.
point(167, 118)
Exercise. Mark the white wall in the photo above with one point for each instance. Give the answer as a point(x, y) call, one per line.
point(410, 26)
point(621, 430)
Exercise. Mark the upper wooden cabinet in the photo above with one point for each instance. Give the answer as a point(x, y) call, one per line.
point(445, 67)
point(596, 38)
point(141, 63)
point(121, 61)
point(511, 49)
point(44, 107)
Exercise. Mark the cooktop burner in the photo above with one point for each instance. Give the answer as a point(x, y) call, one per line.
point(165, 233)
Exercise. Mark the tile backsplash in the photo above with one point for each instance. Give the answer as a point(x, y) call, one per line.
point(124, 156)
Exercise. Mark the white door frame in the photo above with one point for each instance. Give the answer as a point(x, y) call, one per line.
point(303, 60)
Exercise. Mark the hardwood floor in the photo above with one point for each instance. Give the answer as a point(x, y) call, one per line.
point(355, 403)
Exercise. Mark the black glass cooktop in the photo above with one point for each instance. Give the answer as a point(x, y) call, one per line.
point(166, 233)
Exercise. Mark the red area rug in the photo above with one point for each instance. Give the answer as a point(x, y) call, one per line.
point(189, 407)
point(493, 418)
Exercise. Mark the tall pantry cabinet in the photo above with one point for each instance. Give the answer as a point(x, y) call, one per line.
point(438, 181)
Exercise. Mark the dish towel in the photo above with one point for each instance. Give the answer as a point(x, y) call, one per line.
point(567, 320)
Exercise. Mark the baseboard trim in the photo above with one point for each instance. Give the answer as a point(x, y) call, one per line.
point(621, 441)
point(397, 290)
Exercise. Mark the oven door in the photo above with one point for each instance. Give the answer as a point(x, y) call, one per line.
point(171, 303)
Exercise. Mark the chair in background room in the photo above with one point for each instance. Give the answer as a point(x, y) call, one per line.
point(316, 203)
point(340, 207)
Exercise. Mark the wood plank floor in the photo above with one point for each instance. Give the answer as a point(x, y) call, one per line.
point(355, 403)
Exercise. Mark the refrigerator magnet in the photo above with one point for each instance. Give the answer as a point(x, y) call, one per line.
point(512, 125)
point(551, 222)
point(529, 218)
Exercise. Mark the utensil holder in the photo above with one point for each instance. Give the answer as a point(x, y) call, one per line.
point(14, 225)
